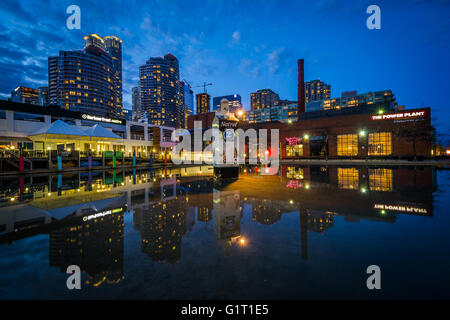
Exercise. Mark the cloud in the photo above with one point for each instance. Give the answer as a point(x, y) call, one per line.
point(236, 37)
point(280, 59)
point(249, 68)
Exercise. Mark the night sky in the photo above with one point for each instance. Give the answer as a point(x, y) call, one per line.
point(245, 45)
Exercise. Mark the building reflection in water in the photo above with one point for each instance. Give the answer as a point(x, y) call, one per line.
point(84, 213)
point(95, 243)
point(227, 219)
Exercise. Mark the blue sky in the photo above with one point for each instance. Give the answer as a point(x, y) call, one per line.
point(244, 45)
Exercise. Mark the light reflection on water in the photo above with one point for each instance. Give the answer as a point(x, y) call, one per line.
point(308, 232)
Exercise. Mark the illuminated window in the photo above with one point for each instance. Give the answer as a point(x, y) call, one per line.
point(380, 179)
point(294, 150)
point(380, 144)
point(348, 178)
point(294, 173)
point(347, 145)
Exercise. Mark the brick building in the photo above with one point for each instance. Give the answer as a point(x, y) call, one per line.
point(399, 135)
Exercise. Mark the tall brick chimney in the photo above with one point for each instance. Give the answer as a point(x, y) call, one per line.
point(300, 89)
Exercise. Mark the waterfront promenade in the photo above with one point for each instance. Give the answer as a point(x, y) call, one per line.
point(442, 164)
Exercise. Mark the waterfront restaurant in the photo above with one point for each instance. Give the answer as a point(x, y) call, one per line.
point(350, 133)
point(38, 129)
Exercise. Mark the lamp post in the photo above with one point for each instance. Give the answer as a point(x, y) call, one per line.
point(363, 135)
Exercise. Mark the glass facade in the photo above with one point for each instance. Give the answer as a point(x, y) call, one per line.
point(348, 178)
point(380, 179)
point(295, 150)
point(25, 116)
point(347, 145)
point(380, 144)
point(114, 49)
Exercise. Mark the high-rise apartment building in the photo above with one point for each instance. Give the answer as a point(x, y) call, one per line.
point(86, 80)
point(316, 90)
point(281, 113)
point(203, 102)
point(264, 98)
point(25, 95)
point(113, 47)
point(384, 100)
point(234, 100)
point(188, 101)
point(162, 99)
point(136, 102)
point(43, 96)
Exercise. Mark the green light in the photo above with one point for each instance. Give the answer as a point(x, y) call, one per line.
point(380, 111)
point(362, 133)
point(363, 190)
point(383, 212)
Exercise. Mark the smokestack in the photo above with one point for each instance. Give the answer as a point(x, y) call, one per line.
point(300, 89)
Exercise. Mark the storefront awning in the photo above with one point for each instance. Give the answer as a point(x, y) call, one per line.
point(59, 130)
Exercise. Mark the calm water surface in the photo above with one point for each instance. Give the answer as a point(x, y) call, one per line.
point(308, 232)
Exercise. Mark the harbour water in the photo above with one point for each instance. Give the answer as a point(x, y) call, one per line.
point(307, 232)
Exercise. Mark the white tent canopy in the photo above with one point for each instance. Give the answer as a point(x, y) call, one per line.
point(98, 131)
point(60, 130)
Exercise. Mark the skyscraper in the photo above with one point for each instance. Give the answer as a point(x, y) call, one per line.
point(162, 101)
point(188, 101)
point(234, 102)
point(43, 96)
point(113, 47)
point(264, 98)
point(317, 90)
point(84, 80)
point(136, 102)
point(203, 102)
point(188, 97)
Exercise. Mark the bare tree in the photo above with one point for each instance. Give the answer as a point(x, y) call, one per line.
point(415, 133)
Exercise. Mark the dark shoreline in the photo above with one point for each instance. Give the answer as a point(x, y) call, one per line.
point(441, 164)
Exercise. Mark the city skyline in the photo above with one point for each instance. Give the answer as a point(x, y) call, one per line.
point(244, 56)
